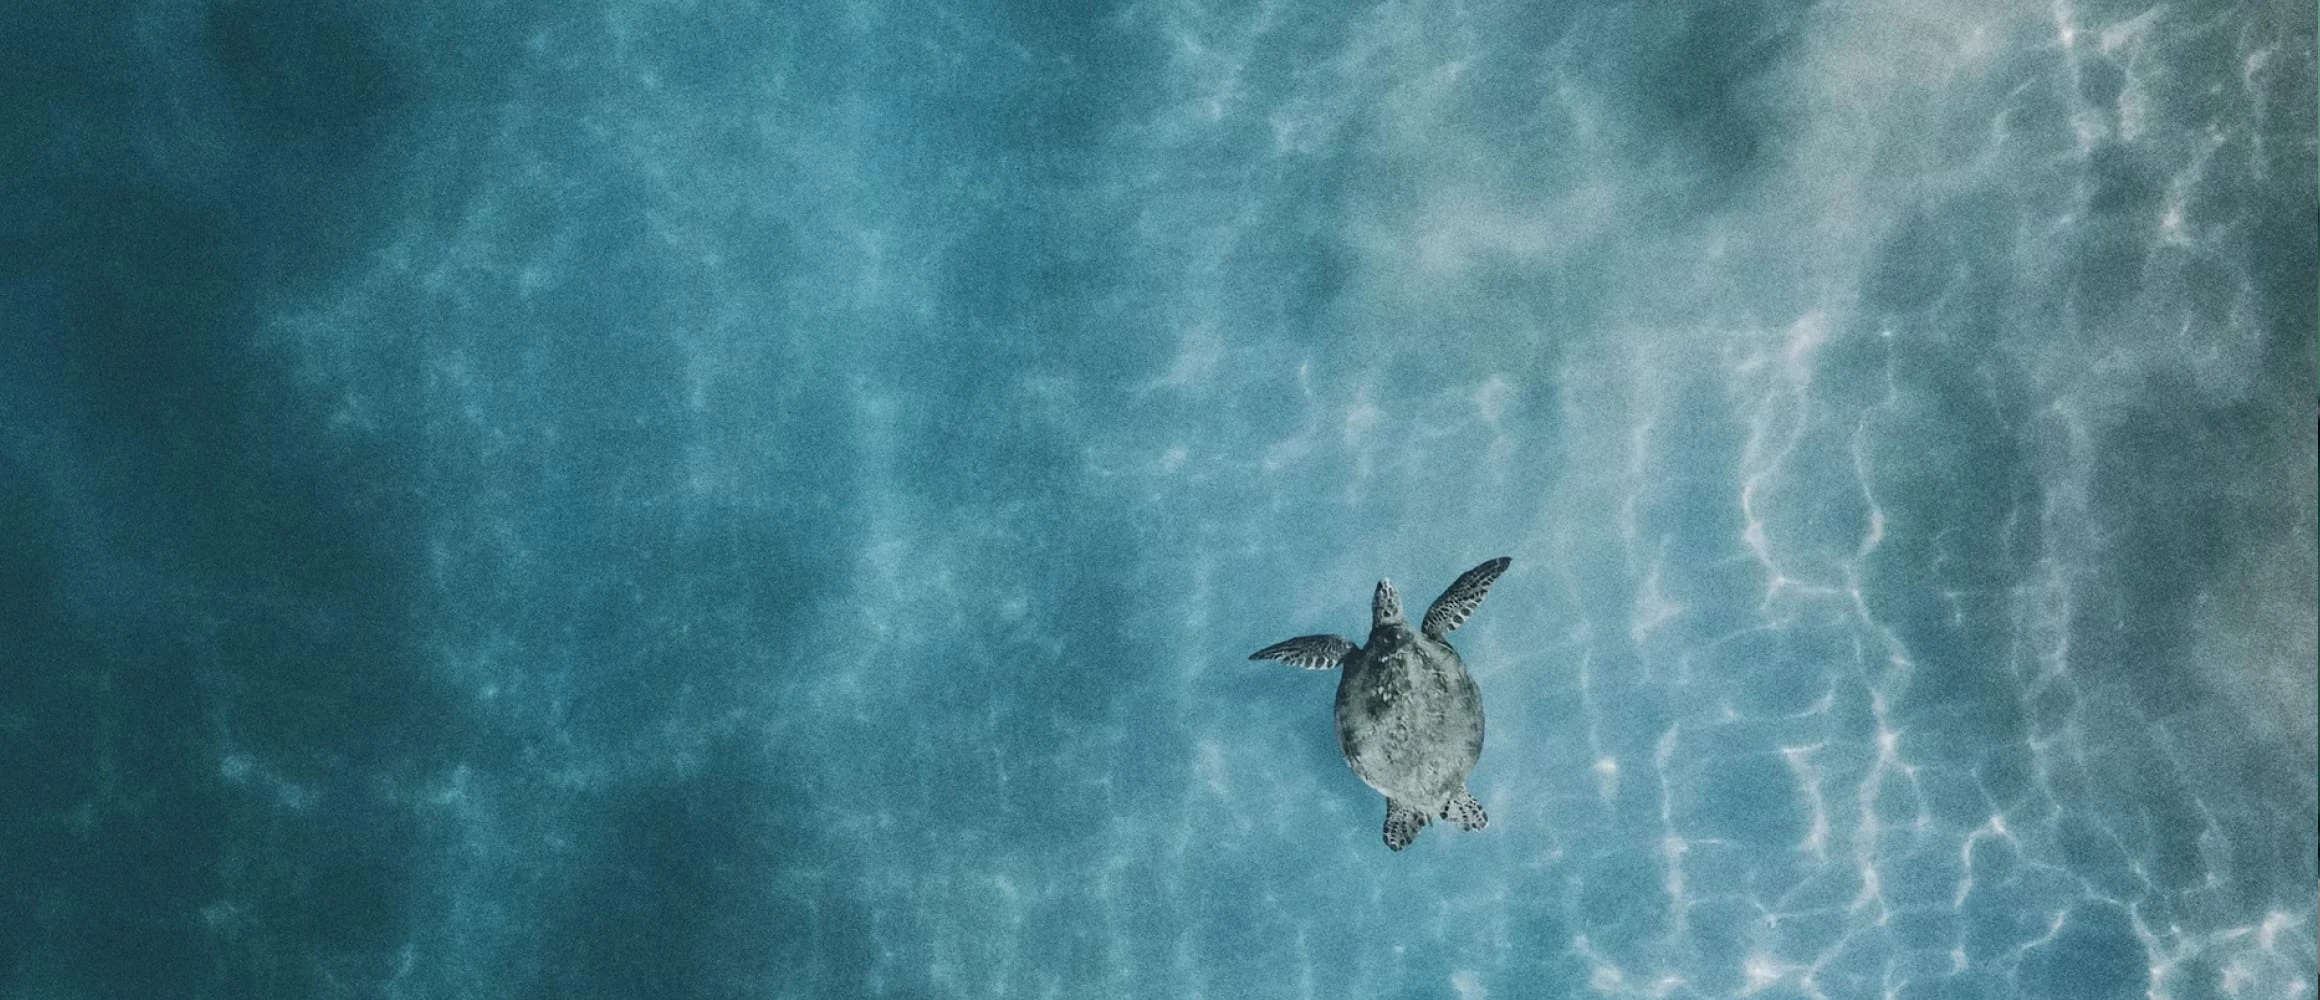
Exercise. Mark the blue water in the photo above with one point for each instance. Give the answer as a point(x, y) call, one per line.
point(714, 499)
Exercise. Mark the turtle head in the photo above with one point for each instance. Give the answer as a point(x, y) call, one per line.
point(1386, 607)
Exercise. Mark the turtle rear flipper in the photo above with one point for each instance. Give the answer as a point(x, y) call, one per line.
point(1465, 811)
point(1402, 824)
point(1465, 594)
point(1313, 652)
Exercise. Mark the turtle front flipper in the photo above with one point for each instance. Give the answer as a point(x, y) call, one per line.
point(1402, 824)
point(1465, 594)
point(1465, 811)
point(1313, 652)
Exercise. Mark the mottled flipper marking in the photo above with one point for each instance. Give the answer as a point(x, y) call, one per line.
point(1465, 811)
point(1313, 652)
point(1402, 824)
point(1465, 594)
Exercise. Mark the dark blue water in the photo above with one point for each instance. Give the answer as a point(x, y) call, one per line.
point(718, 499)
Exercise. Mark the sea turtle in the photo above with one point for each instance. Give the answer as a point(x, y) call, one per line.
point(1408, 717)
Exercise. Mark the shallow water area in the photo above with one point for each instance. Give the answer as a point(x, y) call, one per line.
point(692, 499)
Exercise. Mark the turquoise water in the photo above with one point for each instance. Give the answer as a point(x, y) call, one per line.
point(716, 499)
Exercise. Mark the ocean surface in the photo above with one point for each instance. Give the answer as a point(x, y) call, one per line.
point(698, 498)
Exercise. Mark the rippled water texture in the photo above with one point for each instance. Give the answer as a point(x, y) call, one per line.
point(718, 499)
